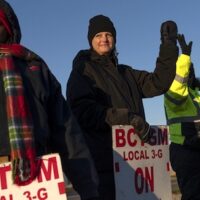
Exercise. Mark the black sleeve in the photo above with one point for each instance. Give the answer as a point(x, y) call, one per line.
point(87, 107)
point(79, 166)
point(67, 139)
point(158, 82)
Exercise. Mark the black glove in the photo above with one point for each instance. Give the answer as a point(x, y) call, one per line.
point(141, 127)
point(186, 48)
point(169, 32)
point(93, 198)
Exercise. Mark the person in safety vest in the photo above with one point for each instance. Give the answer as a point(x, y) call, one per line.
point(182, 106)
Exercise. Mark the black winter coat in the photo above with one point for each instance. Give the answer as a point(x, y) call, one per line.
point(102, 93)
point(55, 129)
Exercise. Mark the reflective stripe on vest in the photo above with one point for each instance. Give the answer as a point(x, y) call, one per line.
point(179, 119)
point(175, 101)
point(180, 79)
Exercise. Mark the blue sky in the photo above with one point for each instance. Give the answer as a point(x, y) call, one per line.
point(57, 30)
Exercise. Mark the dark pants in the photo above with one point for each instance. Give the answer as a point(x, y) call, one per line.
point(185, 162)
point(106, 186)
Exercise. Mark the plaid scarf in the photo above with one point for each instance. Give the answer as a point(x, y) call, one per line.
point(20, 125)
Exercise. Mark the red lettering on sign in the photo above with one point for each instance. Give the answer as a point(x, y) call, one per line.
point(168, 166)
point(61, 188)
point(4, 198)
point(42, 194)
point(52, 167)
point(163, 137)
point(137, 155)
point(122, 138)
point(149, 177)
point(129, 157)
point(144, 180)
point(139, 182)
point(3, 180)
point(130, 140)
point(160, 138)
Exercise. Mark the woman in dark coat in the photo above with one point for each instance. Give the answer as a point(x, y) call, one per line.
point(34, 117)
point(103, 93)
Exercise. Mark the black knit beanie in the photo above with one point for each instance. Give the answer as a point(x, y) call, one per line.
point(100, 23)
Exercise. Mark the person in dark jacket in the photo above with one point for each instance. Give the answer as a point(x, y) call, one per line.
point(103, 93)
point(34, 117)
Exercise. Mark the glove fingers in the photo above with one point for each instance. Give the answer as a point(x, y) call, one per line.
point(141, 127)
point(186, 48)
point(169, 32)
point(144, 136)
point(181, 40)
point(137, 123)
point(190, 44)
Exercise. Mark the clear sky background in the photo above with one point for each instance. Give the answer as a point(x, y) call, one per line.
point(57, 30)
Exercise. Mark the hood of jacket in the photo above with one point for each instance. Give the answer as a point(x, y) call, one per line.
point(12, 20)
point(81, 57)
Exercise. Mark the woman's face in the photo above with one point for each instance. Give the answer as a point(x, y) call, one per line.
point(103, 43)
point(3, 34)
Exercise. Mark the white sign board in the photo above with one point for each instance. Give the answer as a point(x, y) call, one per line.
point(142, 171)
point(49, 185)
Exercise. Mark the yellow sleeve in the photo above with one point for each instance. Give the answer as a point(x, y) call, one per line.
point(179, 87)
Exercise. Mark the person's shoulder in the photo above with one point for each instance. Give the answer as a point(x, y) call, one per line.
point(36, 62)
point(124, 67)
point(81, 58)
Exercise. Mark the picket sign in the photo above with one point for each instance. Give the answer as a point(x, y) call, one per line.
point(142, 171)
point(49, 185)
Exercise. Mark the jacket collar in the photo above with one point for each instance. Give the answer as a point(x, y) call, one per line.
point(106, 60)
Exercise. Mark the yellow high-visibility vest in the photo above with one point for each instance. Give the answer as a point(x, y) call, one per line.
point(182, 104)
